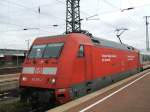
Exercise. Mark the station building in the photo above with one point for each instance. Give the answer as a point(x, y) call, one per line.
point(11, 57)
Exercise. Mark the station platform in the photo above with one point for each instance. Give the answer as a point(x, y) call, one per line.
point(129, 95)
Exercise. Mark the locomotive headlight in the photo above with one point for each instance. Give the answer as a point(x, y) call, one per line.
point(52, 81)
point(24, 78)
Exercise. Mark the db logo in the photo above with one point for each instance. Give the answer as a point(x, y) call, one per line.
point(38, 70)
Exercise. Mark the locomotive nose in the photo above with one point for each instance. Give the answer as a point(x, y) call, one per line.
point(38, 75)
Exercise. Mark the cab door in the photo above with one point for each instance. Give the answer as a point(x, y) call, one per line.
point(83, 64)
point(88, 62)
point(82, 71)
point(79, 66)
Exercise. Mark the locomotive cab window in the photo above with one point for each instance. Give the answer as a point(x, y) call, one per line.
point(81, 51)
point(36, 51)
point(51, 50)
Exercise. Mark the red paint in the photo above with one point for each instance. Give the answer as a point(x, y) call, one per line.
point(98, 61)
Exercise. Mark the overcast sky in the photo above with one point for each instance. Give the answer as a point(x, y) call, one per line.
point(17, 15)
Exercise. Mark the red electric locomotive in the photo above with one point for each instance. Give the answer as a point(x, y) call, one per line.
point(65, 67)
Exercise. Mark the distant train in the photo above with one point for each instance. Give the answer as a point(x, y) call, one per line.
point(64, 67)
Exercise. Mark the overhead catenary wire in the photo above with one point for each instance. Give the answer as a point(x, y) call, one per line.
point(63, 2)
point(32, 10)
point(59, 2)
point(13, 24)
point(22, 6)
point(119, 9)
point(26, 28)
point(110, 4)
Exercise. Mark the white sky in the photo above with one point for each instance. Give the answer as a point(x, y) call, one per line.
point(16, 15)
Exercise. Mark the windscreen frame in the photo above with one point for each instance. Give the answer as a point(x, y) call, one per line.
point(46, 45)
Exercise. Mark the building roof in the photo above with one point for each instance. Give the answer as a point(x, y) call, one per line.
point(12, 52)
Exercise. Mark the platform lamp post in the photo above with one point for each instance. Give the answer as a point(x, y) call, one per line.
point(147, 34)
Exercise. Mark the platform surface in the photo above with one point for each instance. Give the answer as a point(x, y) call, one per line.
point(129, 95)
point(133, 96)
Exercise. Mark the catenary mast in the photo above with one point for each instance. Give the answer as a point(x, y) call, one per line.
point(73, 16)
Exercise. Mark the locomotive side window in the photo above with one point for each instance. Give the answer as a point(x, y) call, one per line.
point(53, 50)
point(37, 51)
point(81, 51)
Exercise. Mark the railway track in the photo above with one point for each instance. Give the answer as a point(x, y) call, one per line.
point(39, 109)
point(10, 70)
point(9, 96)
point(9, 75)
point(9, 82)
point(9, 88)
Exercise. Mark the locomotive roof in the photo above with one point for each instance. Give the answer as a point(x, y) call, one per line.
point(103, 42)
point(111, 44)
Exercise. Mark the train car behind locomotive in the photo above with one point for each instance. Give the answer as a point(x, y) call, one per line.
point(145, 59)
point(65, 67)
